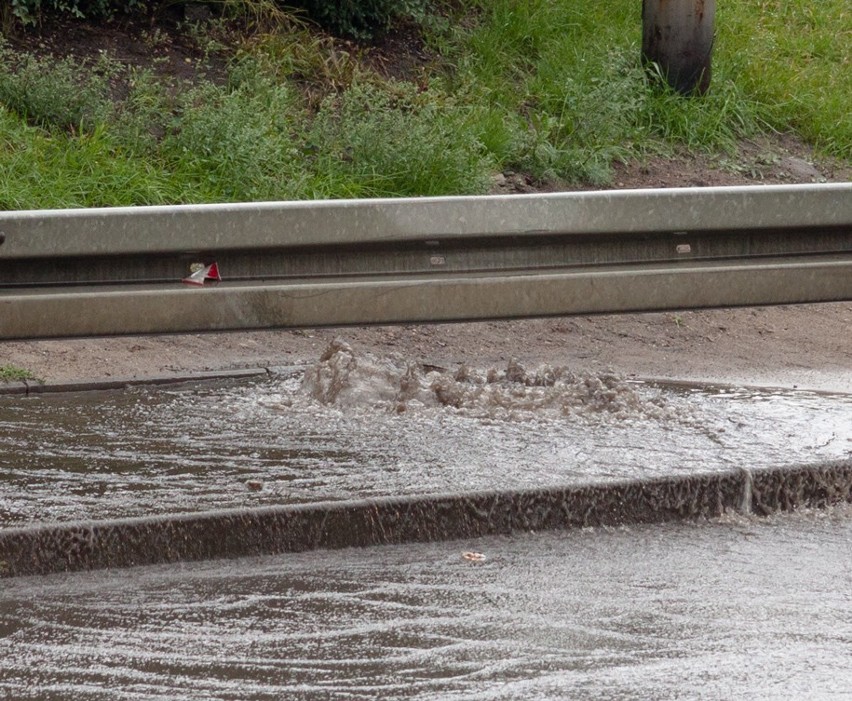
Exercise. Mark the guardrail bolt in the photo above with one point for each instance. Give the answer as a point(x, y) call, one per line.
point(677, 42)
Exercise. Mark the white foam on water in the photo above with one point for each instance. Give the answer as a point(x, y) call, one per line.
point(349, 380)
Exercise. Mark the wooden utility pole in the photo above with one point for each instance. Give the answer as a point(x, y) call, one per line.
point(677, 36)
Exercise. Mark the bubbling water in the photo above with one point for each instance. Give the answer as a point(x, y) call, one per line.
point(348, 380)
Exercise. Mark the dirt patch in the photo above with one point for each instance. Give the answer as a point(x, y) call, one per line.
point(779, 160)
point(808, 346)
point(154, 43)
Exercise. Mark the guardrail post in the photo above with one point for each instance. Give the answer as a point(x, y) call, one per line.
point(677, 36)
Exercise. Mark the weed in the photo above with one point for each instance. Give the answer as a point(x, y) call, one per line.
point(236, 141)
point(142, 119)
point(310, 59)
point(393, 140)
point(11, 373)
point(59, 93)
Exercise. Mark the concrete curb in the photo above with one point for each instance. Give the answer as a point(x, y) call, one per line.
point(28, 387)
point(330, 525)
point(14, 388)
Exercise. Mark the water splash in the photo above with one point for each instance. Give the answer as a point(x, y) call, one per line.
point(346, 379)
point(748, 489)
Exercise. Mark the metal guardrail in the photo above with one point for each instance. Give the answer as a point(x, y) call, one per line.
point(119, 271)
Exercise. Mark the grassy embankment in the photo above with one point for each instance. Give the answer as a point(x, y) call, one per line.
point(552, 88)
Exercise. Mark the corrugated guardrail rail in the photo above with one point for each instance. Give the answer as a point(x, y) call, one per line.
point(119, 271)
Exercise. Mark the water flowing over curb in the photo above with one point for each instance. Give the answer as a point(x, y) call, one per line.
point(332, 525)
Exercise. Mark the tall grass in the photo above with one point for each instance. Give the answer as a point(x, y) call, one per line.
point(565, 79)
point(793, 58)
point(553, 88)
point(54, 93)
point(392, 140)
point(40, 169)
point(252, 138)
point(236, 141)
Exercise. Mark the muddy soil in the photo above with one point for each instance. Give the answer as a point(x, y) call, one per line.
point(807, 346)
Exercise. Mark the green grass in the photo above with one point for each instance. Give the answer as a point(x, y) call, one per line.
point(10, 373)
point(794, 60)
point(45, 170)
point(778, 64)
point(552, 88)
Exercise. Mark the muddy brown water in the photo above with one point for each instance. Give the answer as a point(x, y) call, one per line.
point(355, 427)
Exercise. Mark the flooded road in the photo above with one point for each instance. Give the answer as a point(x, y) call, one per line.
point(734, 608)
point(355, 427)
